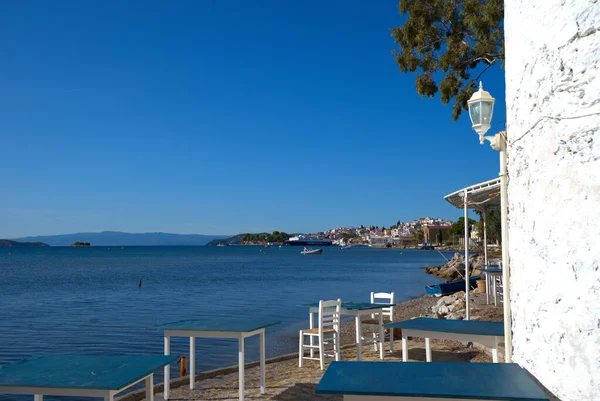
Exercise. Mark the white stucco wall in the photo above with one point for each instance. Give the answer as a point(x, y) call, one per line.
point(553, 69)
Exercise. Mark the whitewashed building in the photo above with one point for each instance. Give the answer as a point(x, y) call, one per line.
point(553, 131)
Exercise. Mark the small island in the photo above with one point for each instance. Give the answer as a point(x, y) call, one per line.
point(80, 244)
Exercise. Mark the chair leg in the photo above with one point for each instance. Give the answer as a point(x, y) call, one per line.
point(322, 353)
point(336, 335)
point(391, 340)
point(375, 341)
point(301, 353)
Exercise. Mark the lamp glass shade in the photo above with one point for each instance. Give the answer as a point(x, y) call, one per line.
point(487, 111)
point(481, 109)
point(475, 113)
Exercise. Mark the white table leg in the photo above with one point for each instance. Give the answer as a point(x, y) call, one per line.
point(358, 336)
point(404, 348)
point(150, 388)
point(192, 362)
point(311, 321)
point(427, 350)
point(381, 336)
point(495, 350)
point(241, 365)
point(262, 361)
point(167, 368)
point(38, 397)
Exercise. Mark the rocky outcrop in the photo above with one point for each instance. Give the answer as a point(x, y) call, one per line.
point(451, 307)
point(455, 268)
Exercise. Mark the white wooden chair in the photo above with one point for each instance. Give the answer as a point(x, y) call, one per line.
point(327, 332)
point(387, 314)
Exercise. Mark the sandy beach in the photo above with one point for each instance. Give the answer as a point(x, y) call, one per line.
point(286, 381)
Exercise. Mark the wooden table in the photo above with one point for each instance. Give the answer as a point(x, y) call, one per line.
point(485, 333)
point(81, 375)
point(437, 381)
point(217, 327)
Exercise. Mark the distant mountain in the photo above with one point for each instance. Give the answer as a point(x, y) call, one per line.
point(9, 243)
point(117, 238)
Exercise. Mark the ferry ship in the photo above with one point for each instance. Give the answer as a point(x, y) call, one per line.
point(304, 240)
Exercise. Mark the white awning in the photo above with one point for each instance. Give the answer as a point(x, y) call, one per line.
point(484, 196)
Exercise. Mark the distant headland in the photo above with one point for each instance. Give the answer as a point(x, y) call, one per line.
point(9, 243)
point(117, 238)
point(80, 244)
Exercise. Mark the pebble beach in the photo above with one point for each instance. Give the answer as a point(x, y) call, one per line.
point(286, 381)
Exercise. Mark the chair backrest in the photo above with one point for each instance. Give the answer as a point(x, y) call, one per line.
point(384, 298)
point(329, 315)
point(496, 262)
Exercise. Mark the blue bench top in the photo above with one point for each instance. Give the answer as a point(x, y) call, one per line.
point(354, 305)
point(473, 327)
point(223, 324)
point(491, 270)
point(81, 371)
point(456, 380)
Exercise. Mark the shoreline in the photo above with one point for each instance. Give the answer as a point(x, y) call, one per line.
point(420, 306)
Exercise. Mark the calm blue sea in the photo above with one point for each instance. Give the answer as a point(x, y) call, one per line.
point(62, 300)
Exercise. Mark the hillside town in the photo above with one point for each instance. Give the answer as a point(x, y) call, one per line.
point(422, 233)
point(425, 230)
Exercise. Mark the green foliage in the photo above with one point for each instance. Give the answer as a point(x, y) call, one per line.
point(419, 235)
point(80, 244)
point(346, 236)
point(493, 226)
point(276, 236)
point(451, 37)
point(458, 228)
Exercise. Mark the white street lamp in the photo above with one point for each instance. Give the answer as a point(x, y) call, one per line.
point(481, 109)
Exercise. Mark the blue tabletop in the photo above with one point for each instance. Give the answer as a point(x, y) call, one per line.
point(81, 371)
point(225, 324)
point(354, 305)
point(491, 270)
point(456, 380)
point(451, 326)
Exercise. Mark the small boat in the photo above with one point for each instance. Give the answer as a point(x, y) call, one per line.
point(310, 251)
point(451, 287)
point(345, 247)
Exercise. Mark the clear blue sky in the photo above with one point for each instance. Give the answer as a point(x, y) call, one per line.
point(220, 117)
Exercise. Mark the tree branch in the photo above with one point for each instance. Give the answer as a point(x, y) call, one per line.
point(484, 70)
point(484, 58)
point(431, 45)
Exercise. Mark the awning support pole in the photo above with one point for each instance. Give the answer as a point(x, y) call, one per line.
point(467, 275)
point(485, 255)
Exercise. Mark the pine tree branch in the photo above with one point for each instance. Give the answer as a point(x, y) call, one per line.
point(484, 70)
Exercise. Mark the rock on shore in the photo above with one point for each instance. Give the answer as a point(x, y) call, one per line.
point(451, 307)
point(455, 268)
